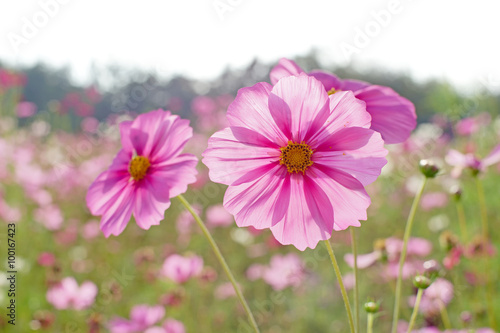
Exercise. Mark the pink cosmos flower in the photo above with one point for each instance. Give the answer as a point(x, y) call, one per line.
point(142, 317)
point(439, 293)
point(393, 116)
point(68, 295)
point(146, 173)
point(217, 216)
point(25, 109)
point(169, 326)
point(460, 161)
point(225, 291)
point(50, 216)
point(180, 269)
point(296, 160)
point(433, 200)
point(284, 271)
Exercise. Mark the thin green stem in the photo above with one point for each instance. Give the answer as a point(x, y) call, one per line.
point(415, 309)
point(482, 206)
point(222, 261)
point(341, 284)
point(461, 221)
point(369, 328)
point(409, 224)
point(444, 316)
point(356, 288)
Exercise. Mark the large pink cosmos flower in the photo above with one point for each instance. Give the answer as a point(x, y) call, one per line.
point(68, 295)
point(146, 173)
point(296, 160)
point(393, 116)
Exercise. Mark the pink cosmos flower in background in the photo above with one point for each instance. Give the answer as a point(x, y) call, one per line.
point(68, 295)
point(225, 291)
point(461, 161)
point(393, 116)
point(180, 269)
point(146, 173)
point(296, 160)
point(217, 216)
point(439, 293)
point(26, 109)
point(142, 317)
point(169, 326)
point(433, 200)
point(284, 271)
point(471, 125)
point(46, 259)
point(49, 216)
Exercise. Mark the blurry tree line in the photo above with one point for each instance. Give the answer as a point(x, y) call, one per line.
point(136, 91)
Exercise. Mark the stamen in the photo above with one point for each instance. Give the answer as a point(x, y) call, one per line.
point(138, 167)
point(296, 157)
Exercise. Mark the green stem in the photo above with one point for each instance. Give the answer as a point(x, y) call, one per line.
point(444, 316)
point(356, 289)
point(482, 205)
point(341, 284)
point(409, 224)
point(461, 221)
point(415, 309)
point(222, 261)
point(369, 328)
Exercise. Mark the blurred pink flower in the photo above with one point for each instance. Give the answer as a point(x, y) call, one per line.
point(146, 173)
point(363, 260)
point(180, 269)
point(471, 125)
point(224, 291)
point(203, 105)
point(50, 216)
point(93, 94)
point(255, 271)
point(392, 116)
point(218, 216)
point(295, 157)
point(169, 326)
point(142, 317)
point(89, 124)
point(68, 295)
point(90, 229)
point(26, 109)
point(46, 259)
point(284, 271)
point(460, 161)
point(433, 200)
point(438, 294)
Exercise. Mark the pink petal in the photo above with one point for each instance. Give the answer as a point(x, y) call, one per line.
point(229, 157)
point(346, 194)
point(147, 210)
point(346, 111)
point(455, 158)
point(299, 106)
point(250, 110)
point(125, 136)
point(105, 190)
point(255, 203)
point(356, 151)
point(309, 217)
point(492, 158)
point(117, 215)
point(393, 116)
point(328, 80)
point(174, 175)
point(147, 131)
point(363, 260)
point(353, 85)
point(284, 68)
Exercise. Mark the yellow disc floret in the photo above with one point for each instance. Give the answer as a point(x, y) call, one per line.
point(138, 167)
point(332, 91)
point(296, 157)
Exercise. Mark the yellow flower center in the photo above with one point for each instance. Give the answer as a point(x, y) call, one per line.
point(332, 91)
point(138, 167)
point(296, 157)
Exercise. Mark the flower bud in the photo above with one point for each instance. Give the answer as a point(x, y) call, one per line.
point(456, 192)
point(432, 268)
point(428, 168)
point(371, 307)
point(421, 282)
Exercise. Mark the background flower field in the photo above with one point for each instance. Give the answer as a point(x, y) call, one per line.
point(57, 137)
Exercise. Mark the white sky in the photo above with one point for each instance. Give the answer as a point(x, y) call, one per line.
point(453, 39)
